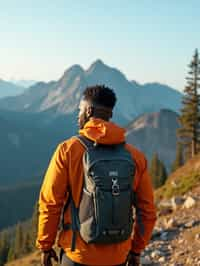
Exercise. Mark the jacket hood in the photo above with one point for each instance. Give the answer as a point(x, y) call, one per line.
point(104, 132)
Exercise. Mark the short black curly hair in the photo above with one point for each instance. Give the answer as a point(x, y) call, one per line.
point(100, 95)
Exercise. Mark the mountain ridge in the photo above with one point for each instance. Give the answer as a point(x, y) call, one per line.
point(8, 88)
point(155, 133)
point(64, 94)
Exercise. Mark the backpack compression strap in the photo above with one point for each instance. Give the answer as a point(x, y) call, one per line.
point(89, 144)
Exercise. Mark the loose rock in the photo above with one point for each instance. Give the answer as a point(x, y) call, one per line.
point(156, 253)
point(171, 223)
point(164, 236)
point(176, 202)
point(162, 259)
point(190, 224)
point(189, 203)
point(145, 260)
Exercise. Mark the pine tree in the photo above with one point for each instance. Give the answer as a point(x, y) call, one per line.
point(19, 239)
point(162, 173)
point(16, 248)
point(189, 132)
point(4, 247)
point(11, 253)
point(154, 169)
point(179, 160)
point(34, 226)
point(157, 171)
point(27, 243)
point(25, 236)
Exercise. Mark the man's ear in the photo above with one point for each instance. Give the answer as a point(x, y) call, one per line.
point(89, 111)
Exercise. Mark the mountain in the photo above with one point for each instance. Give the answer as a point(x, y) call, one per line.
point(155, 132)
point(23, 82)
point(9, 89)
point(156, 96)
point(62, 96)
point(17, 203)
point(27, 145)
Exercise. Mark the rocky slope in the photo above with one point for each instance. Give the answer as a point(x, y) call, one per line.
point(176, 237)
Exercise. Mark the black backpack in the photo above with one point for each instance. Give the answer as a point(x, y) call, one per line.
point(105, 213)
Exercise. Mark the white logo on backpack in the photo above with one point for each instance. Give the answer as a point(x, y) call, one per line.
point(113, 173)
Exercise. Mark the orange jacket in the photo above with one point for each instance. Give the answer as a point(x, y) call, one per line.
point(65, 171)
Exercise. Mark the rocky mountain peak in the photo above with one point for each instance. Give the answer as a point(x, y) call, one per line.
point(98, 62)
point(73, 70)
point(70, 75)
point(97, 66)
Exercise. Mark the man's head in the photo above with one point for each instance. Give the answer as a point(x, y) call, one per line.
point(97, 101)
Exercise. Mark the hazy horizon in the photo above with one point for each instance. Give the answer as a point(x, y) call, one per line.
point(13, 80)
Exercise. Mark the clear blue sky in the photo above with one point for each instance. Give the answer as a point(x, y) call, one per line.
point(148, 40)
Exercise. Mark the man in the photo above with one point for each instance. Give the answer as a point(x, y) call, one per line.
point(65, 177)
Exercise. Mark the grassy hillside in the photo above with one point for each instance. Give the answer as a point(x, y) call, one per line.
point(182, 180)
point(32, 259)
point(29, 260)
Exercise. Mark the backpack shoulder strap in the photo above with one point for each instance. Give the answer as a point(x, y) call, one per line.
point(87, 143)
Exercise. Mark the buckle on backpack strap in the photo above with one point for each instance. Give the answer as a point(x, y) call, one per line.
point(115, 187)
point(113, 232)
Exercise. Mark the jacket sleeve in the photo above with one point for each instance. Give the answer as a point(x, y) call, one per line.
point(51, 199)
point(145, 210)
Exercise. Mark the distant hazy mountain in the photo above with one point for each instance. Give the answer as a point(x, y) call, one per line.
point(17, 203)
point(27, 145)
point(23, 83)
point(9, 89)
point(62, 96)
point(155, 132)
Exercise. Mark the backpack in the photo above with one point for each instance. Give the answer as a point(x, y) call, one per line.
point(105, 213)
